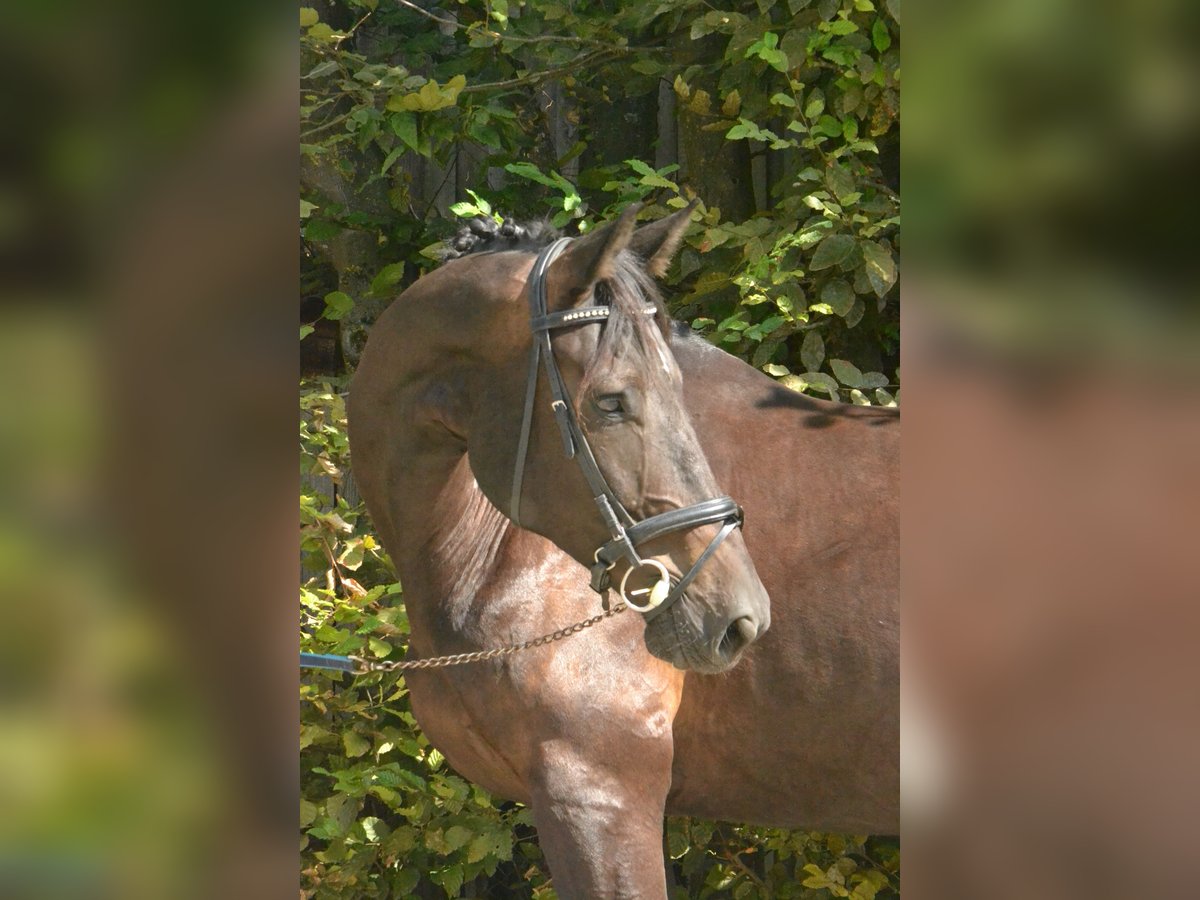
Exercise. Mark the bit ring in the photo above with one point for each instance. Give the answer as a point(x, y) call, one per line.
point(652, 601)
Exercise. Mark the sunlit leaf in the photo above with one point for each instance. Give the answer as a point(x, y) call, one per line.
point(847, 373)
point(337, 304)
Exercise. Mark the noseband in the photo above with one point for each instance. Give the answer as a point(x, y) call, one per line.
point(626, 533)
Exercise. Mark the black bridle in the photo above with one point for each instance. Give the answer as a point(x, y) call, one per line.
point(626, 533)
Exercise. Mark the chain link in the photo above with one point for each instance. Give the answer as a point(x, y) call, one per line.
point(458, 659)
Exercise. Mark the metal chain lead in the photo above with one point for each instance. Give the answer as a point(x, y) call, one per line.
point(457, 659)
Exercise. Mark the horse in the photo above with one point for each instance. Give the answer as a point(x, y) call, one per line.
point(788, 719)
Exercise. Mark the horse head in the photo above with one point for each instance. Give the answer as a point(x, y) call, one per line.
point(577, 430)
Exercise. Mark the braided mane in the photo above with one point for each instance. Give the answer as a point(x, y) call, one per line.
point(484, 235)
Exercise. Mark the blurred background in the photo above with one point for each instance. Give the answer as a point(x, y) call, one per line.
point(1050, 491)
point(147, 515)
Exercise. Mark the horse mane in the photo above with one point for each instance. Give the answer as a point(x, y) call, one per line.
point(484, 234)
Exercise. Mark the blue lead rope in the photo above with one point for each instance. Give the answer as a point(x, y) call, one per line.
point(328, 661)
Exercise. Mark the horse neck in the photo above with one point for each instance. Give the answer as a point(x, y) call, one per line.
point(466, 537)
point(409, 407)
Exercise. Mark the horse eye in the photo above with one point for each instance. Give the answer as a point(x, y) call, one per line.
point(610, 404)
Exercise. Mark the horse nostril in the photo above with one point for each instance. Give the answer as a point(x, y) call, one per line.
point(740, 634)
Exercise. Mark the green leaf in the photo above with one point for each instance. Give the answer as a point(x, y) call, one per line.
point(355, 744)
point(451, 879)
point(776, 369)
point(308, 812)
point(404, 126)
point(828, 126)
point(832, 250)
point(847, 373)
point(838, 294)
point(766, 49)
point(855, 313)
point(647, 67)
point(736, 322)
point(858, 398)
point(479, 848)
point(822, 382)
point(337, 304)
point(884, 398)
point(389, 276)
point(457, 836)
point(532, 172)
point(880, 266)
point(880, 36)
point(321, 229)
point(430, 97)
point(371, 830)
point(770, 323)
point(326, 829)
point(782, 99)
point(815, 105)
point(842, 54)
point(656, 180)
point(484, 206)
point(812, 350)
point(794, 383)
point(308, 16)
point(406, 881)
point(396, 153)
point(325, 68)
point(738, 131)
point(306, 208)
point(321, 32)
point(305, 331)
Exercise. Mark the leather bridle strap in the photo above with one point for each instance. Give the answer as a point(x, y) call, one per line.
point(626, 533)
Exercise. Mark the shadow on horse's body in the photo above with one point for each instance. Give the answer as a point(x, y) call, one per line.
point(599, 737)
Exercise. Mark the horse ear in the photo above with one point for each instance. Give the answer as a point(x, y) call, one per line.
point(657, 242)
point(590, 259)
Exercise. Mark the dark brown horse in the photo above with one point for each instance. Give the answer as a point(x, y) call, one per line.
point(597, 735)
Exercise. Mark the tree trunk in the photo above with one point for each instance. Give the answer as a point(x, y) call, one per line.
point(718, 170)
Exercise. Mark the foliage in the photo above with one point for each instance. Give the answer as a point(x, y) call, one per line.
point(397, 103)
point(718, 859)
point(380, 812)
point(809, 87)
